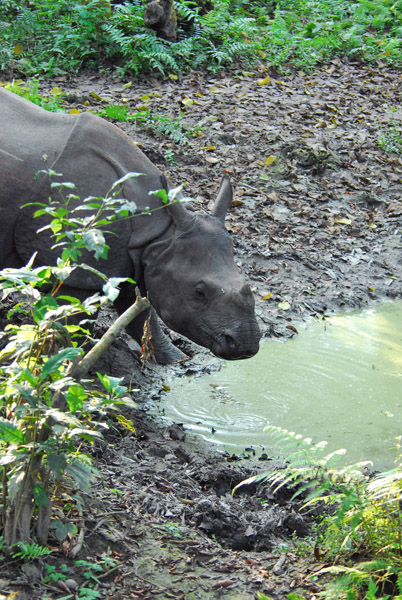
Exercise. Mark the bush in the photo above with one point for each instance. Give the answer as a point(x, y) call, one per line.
point(52, 37)
point(44, 408)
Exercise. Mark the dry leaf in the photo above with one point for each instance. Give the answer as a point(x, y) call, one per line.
point(264, 81)
point(284, 305)
point(187, 101)
point(343, 220)
point(267, 296)
point(97, 97)
point(270, 160)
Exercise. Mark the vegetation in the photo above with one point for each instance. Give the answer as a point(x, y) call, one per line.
point(52, 37)
point(361, 525)
point(46, 410)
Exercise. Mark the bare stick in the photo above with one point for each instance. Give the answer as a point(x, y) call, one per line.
point(81, 369)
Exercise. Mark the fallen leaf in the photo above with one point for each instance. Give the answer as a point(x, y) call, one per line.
point(292, 328)
point(56, 91)
point(187, 101)
point(127, 85)
point(264, 81)
point(74, 111)
point(284, 305)
point(267, 296)
point(18, 49)
point(97, 97)
point(173, 77)
point(270, 160)
point(343, 220)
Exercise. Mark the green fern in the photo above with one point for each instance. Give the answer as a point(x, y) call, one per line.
point(30, 551)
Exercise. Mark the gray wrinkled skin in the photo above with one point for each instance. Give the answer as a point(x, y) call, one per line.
point(182, 259)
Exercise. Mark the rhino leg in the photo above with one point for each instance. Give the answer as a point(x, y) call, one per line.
point(164, 351)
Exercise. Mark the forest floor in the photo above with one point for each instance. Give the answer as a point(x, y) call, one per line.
point(317, 226)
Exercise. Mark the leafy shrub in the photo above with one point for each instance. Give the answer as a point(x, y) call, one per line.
point(44, 408)
point(56, 36)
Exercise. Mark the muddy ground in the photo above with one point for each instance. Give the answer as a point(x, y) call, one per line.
point(317, 226)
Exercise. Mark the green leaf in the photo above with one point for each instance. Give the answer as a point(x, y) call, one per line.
point(130, 175)
point(110, 289)
point(112, 384)
point(62, 417)
point(43, 305)
point(76, 396)
point(57, 360)
point(94, 241)
point(40, 496)
point(63, 529)
point(10, 433)
point(56, 463)
point(81, 473)
point(162, 194)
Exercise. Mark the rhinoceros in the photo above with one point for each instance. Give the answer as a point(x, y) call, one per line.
point(182, 259)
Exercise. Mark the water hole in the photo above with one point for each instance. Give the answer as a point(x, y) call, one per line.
point(339, 380)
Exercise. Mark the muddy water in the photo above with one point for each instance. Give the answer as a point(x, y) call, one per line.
point(339, 380)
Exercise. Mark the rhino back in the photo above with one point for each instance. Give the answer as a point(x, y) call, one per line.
point(87, 151)
point(30, 139)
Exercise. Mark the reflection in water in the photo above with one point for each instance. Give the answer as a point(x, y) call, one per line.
point(339, 380)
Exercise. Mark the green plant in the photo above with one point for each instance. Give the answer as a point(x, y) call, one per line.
point(169, 157)
point(173, 529)
point(29, 551)
point(44, 406)
point(391, 139)
point(52, 574)
point(30, 92)
point(54, 36)
point(173, 127)
point(364, 518)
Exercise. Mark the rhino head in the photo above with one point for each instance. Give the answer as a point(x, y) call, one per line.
point(195, 286)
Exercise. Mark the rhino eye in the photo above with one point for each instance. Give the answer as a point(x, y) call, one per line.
point(200, 294)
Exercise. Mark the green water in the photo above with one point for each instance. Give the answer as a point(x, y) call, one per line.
point(338, 380)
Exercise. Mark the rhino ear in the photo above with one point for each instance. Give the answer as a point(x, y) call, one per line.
point(179, 213)
point(223, 200)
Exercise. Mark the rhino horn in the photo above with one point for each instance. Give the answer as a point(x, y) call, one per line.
point(223, 200)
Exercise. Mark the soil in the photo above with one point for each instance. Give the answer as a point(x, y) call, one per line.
point(317, 225)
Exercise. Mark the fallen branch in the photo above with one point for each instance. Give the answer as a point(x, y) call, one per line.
point(81, 369)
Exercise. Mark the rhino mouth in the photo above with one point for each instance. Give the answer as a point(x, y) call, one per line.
point(228, 348)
